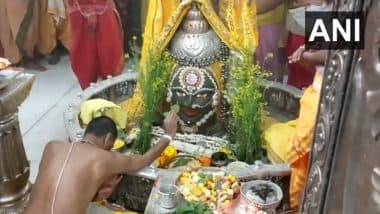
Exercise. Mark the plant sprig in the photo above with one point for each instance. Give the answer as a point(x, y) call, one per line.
point(247, 105)
point(153, 82)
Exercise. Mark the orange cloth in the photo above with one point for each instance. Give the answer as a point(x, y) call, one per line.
point(52, 29)
point(298, 155)
point(297, 180)
point(18, 28)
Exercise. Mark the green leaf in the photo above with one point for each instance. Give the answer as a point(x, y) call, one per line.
point(181, 162)
point(192, 208)
point(174, 108)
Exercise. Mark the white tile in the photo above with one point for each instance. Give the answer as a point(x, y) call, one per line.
point(49, 127)
point(49, 87)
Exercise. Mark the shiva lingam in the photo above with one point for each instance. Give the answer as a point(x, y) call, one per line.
point(194, 89)
point(195, 85)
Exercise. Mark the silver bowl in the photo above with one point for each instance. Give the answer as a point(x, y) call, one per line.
point(260, 204)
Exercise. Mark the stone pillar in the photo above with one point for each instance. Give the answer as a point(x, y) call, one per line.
point(14, 167)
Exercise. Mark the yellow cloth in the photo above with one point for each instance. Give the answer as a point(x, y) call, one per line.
point(267, 121)
point(118, 144)
point(53, 26)
point(93, 108)
point(237, 29)
point(234, 23)
point(277, 139)
point(275, 16)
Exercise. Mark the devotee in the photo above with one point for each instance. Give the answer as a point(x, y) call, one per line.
point(71, 175)
point(53, 29)
point(96, 40)
point(298, 155)
point(18, 32)
point(300, 75)
point(294, 144)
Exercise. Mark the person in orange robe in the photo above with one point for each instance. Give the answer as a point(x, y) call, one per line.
point(19, 32)
point(96, 40)
point(298, 155)
point(54, 35)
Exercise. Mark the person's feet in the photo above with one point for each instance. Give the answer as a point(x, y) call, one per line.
point(53, 58)
point(32, 64)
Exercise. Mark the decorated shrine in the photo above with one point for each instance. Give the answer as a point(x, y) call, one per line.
point(199, 64)
point(240, 145)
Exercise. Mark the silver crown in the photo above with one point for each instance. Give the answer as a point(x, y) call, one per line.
point(195, 43)
point(195, 22)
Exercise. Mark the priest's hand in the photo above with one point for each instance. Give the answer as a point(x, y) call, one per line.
point(170, 124)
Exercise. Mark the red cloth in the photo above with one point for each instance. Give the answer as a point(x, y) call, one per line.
point(97, 40)
point(300, 75)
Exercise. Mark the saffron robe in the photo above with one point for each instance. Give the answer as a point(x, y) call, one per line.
point(291, 142)
point(18, 28)
point(298, 156)
point(53, 26)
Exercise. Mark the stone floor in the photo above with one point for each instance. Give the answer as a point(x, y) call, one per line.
point(41, 115)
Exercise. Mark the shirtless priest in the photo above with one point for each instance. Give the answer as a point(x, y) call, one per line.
point(71, 175)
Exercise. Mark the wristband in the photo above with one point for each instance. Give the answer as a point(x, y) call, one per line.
point(167, 137)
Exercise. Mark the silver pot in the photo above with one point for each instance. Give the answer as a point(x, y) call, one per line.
point(168, 195)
